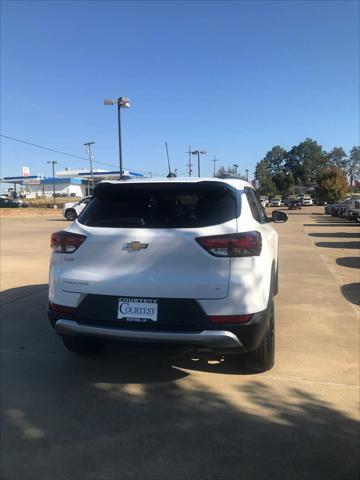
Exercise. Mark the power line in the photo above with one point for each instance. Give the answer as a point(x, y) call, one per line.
point(54, 150)
point(44, 148)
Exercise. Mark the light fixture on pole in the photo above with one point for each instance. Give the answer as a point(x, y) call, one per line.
point(53, 162)
point(236, 166)
point(247, 174)
point(122, 102)
point(88, 144)
point(198, 153)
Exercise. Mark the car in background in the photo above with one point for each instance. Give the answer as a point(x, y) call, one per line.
point(342, 210)
point(177, 261)
point(334, 210)
point(11, 203)
point(355, 211)
point(264, 200)
point(72, 210)
point(329, 207)
point(286, 201)
point(350, 205)
point(294, 205)
point(275, 202)
point(307, 201)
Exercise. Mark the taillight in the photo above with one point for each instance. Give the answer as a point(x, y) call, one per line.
point(230, 318)
point(66, 242)
point(61, 308)
point(246, 244)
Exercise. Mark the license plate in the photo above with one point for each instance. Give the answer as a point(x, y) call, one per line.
point(140, 310)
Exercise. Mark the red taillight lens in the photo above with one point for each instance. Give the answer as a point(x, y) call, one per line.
point(230, 318)
point(61, 308)
point(66, 242)
point(246, 244)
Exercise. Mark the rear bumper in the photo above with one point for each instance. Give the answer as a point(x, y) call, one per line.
point(214, 339)
point(227, 338)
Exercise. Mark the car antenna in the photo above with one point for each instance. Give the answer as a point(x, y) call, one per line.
point(170, 174)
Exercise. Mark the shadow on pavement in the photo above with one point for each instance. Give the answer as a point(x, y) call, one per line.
point(320, 219)
point(140, 416)
point(13, 294)
point(58, 220)
point(31, 300)
point(326, 224)
point(350, 245)
point(295, 212)
point(351, 292)
point(350, 262)
point(336, 234)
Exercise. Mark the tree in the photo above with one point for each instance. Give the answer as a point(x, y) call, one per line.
point(332, 184)
point(220, 172)
point(283, 182)
point(338, 158)
point(225, 171)
point(263, 175)
point(305, 161)
point(276, 158)
point(354, 164)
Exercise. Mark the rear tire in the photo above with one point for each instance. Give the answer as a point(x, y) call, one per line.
point(81, 345)
point(70, 215)
point(263, 358)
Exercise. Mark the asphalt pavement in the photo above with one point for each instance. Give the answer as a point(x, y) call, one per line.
point(164, 413)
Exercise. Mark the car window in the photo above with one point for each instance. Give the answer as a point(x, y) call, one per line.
point(257, 210)
point(160, 205)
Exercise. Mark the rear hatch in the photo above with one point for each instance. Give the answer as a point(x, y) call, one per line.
point(140, 241)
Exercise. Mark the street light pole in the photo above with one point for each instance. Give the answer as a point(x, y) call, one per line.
point(122, 102)
point(119, 134)
point(247, 174)
point(236, 167)
point(88, 144)
point(198, 153)
point(53, 162)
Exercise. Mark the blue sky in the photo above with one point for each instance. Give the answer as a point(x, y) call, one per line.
point(233, 78)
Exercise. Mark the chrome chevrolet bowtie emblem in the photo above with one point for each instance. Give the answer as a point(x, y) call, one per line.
point(135, 246)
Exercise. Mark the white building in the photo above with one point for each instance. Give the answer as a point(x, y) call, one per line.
point(68, 183)
point(64, 187)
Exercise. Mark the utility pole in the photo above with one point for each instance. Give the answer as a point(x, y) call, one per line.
point(53, 162)
point(189, 165)
point(88, 144)
point(215, 160)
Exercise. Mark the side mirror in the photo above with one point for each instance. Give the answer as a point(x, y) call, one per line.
point(279, 217)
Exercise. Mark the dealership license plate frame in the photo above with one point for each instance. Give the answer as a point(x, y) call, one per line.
point(127, 305)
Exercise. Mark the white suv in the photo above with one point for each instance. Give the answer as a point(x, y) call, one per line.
point(188, 261)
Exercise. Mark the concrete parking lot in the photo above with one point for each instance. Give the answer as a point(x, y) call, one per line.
point(150, 413)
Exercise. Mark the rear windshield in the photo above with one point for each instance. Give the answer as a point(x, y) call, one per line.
point(160, 205)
